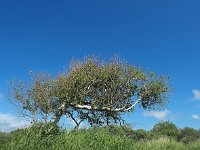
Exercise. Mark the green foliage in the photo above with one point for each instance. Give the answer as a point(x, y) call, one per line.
point(118, 130)
point(189, 135)
point(140, 134)
point(126, 131)
point(49, 130)
point(164, 144)
point(35, 137)
point(17, 132)
point(109, 138)
point(91, 90)
point(5, 138)
point(165, 129)
point(94, 138)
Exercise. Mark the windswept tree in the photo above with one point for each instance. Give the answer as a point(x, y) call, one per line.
point(91, 90)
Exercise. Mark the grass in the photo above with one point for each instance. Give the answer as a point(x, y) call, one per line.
point(91, 139)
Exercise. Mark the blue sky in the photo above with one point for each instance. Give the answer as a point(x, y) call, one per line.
point(162, 36)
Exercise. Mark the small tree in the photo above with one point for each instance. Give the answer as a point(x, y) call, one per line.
point(165, 129)
point(141, 134)
point(91, 90)
point(189, 135)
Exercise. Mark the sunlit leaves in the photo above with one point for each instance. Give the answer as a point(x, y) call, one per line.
point(101, 86)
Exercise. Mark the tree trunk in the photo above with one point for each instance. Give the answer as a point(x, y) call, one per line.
point(33, 118)
point(58, 114)
point(43, 124)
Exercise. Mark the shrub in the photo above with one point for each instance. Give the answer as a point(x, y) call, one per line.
point(49, 130)
point(5, 138)
point(97, 138)
point(17, 131)
point(123, 131)
point(188, 135)
point(34, 137)
point(165, 129)
point(140, 134)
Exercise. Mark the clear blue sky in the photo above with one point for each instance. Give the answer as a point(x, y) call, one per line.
point(162, 36)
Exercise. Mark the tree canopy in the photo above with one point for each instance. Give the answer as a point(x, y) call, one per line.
point(91, 90)
point(166, 129)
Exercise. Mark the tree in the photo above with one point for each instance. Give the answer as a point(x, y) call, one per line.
point(140, 134)
point(189, 135)
point(165, 129)
point(91, 90)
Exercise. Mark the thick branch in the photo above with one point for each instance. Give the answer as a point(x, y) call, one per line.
point(58, 114)
point(127, 109)
point(74, 119)
point(88, 107)
point(61, 110)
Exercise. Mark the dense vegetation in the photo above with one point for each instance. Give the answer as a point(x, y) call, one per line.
point(164, 135)
point(97, 93)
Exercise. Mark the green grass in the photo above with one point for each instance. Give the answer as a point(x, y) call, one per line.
point(91, 139)
point(4, 138)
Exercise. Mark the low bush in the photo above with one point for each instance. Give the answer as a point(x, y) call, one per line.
point(189, 135)
point(98, 138)
point(138, 135)
point(5, 138)
point(167, 129)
